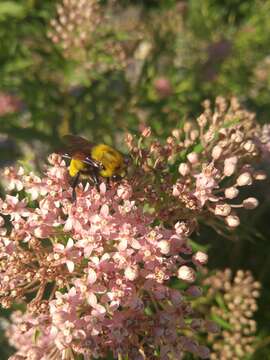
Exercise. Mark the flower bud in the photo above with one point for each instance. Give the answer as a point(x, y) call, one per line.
point(186, 273)
point(194, 134)
point(187, 126)
point(196, 324)
point(238, 137)
point(176, 297)
point(216, 152)
point(146, 132)
point(182, 228)
point(184, 169)
point(194, 291)
point(231, 192)
point(209, 136)
point(176, 133)
point(131, 273)
point(164, 246)
point(250, 203)
point(163, 87)
point(212, 327)
point(192, 157)
point(232, 221)
point(170, 140)
point(203, 352)
point(244, 179)
point(222, 210)
point(124, 191)
point(230, 165)
point(249, 146)
point(54, 159)
point(200, 258)
point(259, 175)
point(202, 120)
point(143, 50)
point(176, 191)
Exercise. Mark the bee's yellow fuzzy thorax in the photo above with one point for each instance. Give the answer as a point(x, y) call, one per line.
point(111, 159)
point(75, 166)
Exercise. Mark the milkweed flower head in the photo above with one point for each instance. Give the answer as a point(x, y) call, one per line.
point(202, 166)
point(239, 295)
point(74, 24)
point(77, 26)
point(94, 275)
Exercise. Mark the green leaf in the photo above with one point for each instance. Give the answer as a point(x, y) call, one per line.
point(231, 123)
point(177, 284)
point(198, 148)
point(148, 311)
point(183, 155)
point(11, 8)
point(198, 247)
point(18, 65)
point(221, 322)
point(220, 301)
point(36, 335)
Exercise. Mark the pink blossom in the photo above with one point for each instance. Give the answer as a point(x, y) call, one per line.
point(107, 262)
point(206, 182)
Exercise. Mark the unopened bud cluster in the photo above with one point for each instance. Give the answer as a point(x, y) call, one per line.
point(75, 23)
point(81, 30)
point(203, 166)
point(239, 295)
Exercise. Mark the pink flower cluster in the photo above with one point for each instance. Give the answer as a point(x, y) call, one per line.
point(94, 274)
point(202, 166)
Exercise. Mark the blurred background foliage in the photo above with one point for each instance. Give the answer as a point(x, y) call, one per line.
point(128, 63)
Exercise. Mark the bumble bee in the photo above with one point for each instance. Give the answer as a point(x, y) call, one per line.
point(92, 161)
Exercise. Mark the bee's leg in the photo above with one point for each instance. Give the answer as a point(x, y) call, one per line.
point(66, 156)
point(95, 179)
point(74, 184)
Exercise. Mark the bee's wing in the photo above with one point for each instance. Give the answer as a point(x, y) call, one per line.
point(77, 143)
point(79, 148)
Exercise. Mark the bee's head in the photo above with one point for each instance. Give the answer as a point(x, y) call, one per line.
point(120, 170)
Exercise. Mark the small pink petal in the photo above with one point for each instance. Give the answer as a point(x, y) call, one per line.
point(122, 245)
point(100, 309)
point(12, 200)
point(70, 243)
point(2, 221)
point(104, 210)
point(53, 331)
point(59, 247)
point(92, 300)
point(68, 224)
point(102, 188)
point(92, 276)
point(72, 292)
point(135, 244)
point(3, 231)
point(70, 266)
point(40, 232)
point(105, 257)
point(94, 332)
